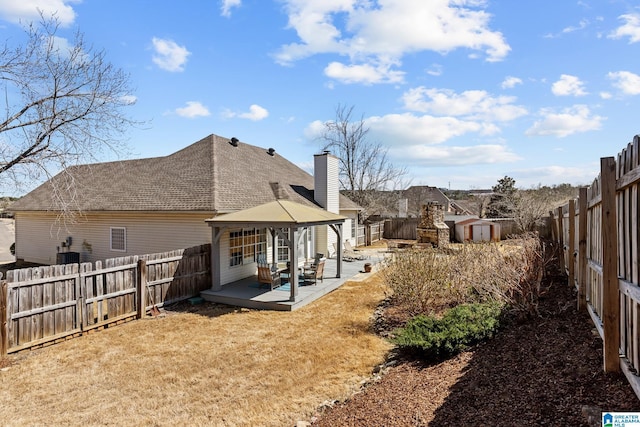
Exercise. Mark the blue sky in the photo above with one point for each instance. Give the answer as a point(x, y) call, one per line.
point(462, 92)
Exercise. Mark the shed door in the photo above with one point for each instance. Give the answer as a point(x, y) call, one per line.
point(481, 233)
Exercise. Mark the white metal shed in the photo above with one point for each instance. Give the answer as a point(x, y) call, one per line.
point(477, 230)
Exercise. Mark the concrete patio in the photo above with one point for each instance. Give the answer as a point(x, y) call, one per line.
point(246, 292)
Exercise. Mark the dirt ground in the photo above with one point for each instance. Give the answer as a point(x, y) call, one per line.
point(543, 371)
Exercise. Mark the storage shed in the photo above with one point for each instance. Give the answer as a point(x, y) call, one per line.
point(477, 230)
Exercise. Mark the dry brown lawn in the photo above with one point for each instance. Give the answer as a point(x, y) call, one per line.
point(214, 367)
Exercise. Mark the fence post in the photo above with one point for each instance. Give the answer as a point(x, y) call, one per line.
point(582, 249)
point(611, 294)
point(142, 289)
point(4, 332)
point(572, 243)
point(79, 294)
point(563, 264)
point(367, 234)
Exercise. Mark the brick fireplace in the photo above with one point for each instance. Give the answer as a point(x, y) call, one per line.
point(431, 228)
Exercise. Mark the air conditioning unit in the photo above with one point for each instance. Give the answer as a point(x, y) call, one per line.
point(68, 258)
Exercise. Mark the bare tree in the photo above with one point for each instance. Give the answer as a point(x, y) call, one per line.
point(64, 105)
point(530, 207)
point(365, 169)
point(480, 203)
point(528, 210)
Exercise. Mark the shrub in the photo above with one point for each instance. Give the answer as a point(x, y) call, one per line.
point(459, 328)
point(427, 281)
point(422, 281)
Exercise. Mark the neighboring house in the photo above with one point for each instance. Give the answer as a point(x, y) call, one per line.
point(419, 195)
point(409, 202)
point(159, 204)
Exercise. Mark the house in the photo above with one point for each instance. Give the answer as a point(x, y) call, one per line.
point(409, 202)
point(159, 204)
point(419, 195)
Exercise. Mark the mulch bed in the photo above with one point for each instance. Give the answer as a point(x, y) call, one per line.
point(541, 371)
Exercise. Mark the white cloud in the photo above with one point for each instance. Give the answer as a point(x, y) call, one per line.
point(472, 104)
point(435, 70)
point(568, 85)
point(584, 23)
point(383, 32)
point(129, 99)
point(442, 155)
point(192, 110)
point(255, 113)
point(630, 28)
point(227, 5)
point(421, 139)
point(582, 175)
point(314, 130)
point(409, 129)
point(576, 119)
point(581, 26)
point(605, 95)
point(169, 55)
point(364, 73)
point(29, 10)
point(510, 82)
point(627, 82)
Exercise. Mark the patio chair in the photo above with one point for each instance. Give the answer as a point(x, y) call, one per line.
point(316, 260)
point(314, 273)
point(350, 255)
point(350, 249)
point(345, 256)
point(268, 277)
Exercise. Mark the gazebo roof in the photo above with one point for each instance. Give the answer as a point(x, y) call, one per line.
point(278, 213)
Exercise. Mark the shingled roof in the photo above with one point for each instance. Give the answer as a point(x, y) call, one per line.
point(211, 175)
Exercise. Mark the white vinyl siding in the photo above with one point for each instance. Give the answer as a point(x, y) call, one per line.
point(38, 235)
point(326, 183)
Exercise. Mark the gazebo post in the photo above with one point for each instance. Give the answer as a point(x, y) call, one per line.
point(274, 247)
point(337, 228)
point(216, 282)
point(293, 259)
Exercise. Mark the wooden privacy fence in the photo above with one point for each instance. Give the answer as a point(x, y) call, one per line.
point(43, 305)
point(374, 232)
point(401, 228)
point(600, 233)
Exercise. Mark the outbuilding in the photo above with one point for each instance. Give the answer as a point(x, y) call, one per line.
point(477, 230)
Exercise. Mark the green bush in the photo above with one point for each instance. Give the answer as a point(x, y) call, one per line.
point(459, 328)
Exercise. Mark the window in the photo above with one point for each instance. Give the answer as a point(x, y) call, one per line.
point(245, 245)
point(118, 239)
point(283, 248)
point(303, 244)
point(235, 248)
point(354, 227)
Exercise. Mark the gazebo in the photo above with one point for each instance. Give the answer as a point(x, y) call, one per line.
point(276, 216)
